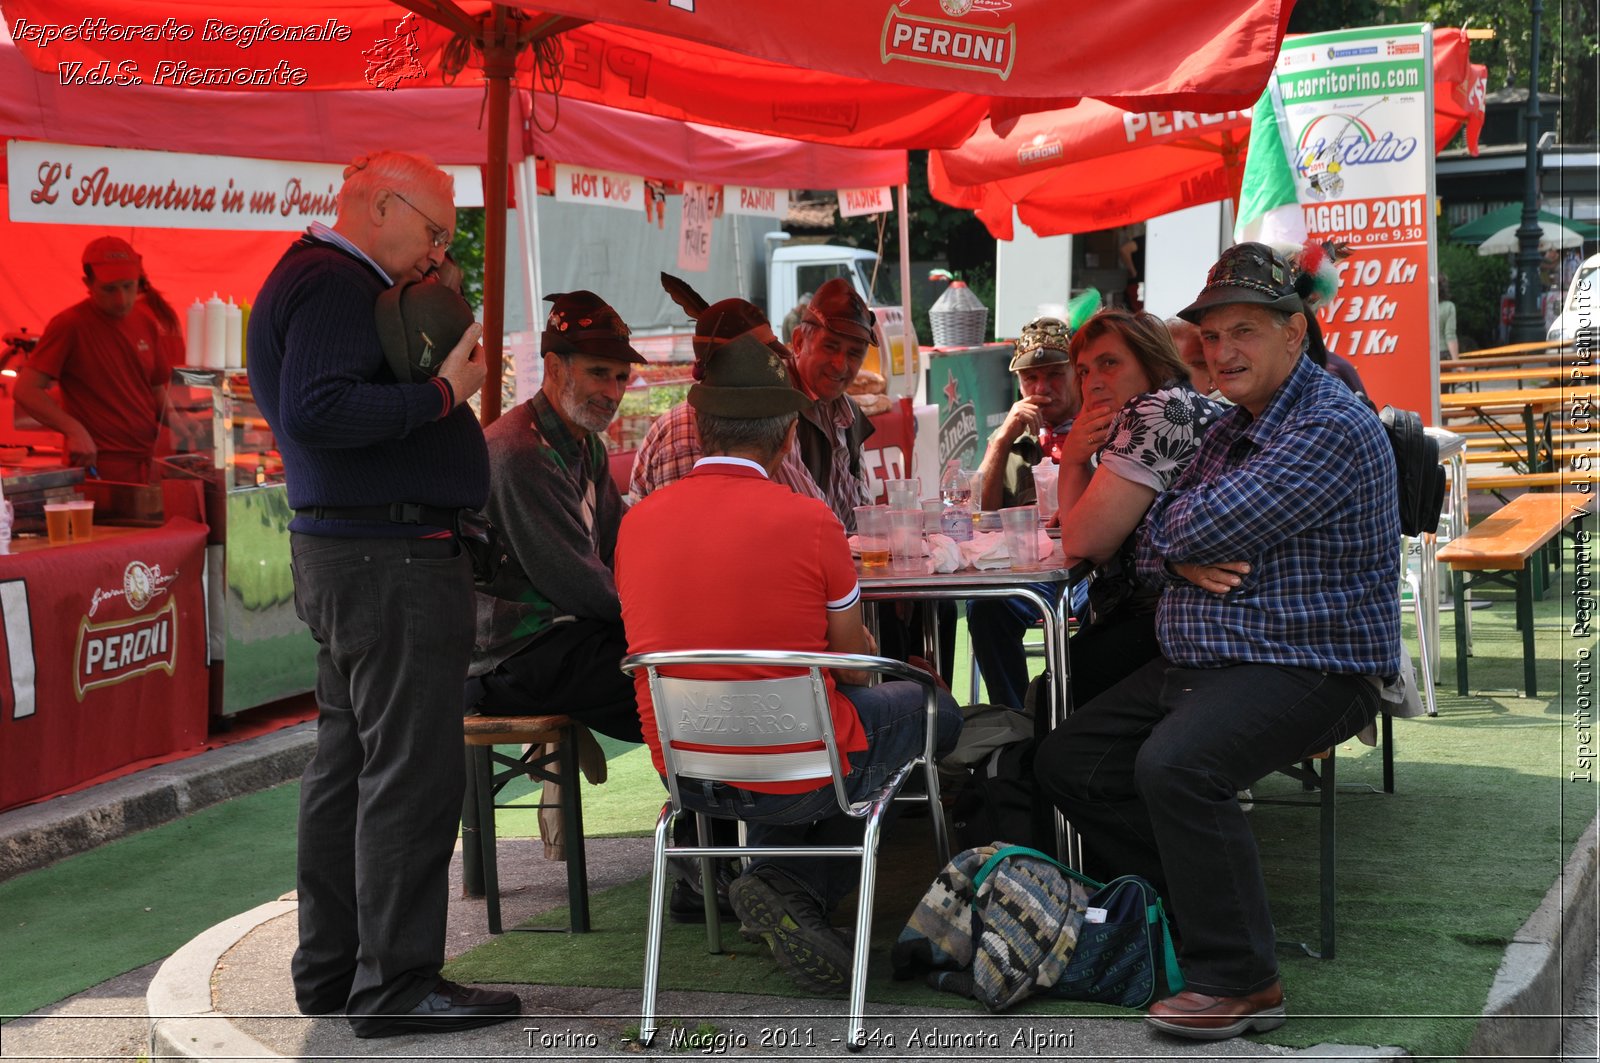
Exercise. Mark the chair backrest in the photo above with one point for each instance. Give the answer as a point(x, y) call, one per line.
point(744, 730)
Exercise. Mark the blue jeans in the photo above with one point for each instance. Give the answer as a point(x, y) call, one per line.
point(1149, 773)
point(996, 627)
point(891, 716)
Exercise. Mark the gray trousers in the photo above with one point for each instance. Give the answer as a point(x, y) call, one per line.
point(380, 801)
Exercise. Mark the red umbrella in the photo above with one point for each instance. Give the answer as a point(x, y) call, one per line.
point(1094, 166)
point(892, 73)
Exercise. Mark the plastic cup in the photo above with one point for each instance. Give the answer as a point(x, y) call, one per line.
point(905, 538)
point(1046, 477)
point(1021, 527)
point(932, 514)
point(872, 535)
point(57, 522)
point(81, 518)
point(903, 493)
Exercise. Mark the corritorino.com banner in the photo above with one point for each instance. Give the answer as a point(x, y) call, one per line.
point(1357, 125)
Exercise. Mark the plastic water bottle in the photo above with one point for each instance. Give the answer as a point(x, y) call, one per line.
point(956, 491)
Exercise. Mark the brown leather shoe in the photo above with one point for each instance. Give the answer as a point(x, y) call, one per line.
point(1201, 1017)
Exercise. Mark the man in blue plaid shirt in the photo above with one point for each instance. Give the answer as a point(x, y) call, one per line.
point(1279, 624)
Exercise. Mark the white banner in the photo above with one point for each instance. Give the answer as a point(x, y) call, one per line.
point(74, 185)
point(766, 202)
point(857, 201)
point(1359, 109)
point(694, 235)
point(598, 188)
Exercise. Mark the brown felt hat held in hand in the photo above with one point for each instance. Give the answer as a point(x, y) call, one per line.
point(419, 323)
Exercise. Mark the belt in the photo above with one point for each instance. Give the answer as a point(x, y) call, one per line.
point(396, 513)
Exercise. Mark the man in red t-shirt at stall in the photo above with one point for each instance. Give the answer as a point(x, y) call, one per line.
point(109, 353)
point(727, 558)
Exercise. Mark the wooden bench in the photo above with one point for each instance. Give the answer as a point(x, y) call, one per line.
point(1509, 480)
point(1500, 546)
point(1514, 457)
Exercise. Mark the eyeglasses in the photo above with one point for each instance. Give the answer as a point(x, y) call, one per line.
point(441, 236)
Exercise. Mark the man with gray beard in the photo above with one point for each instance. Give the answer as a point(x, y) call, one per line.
point(549, 626)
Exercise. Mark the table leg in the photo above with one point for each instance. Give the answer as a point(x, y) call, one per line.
point(1525, 621)
point(1459, 585)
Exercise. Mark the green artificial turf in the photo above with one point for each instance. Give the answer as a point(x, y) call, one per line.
point(90, 917)
point(1433, 880)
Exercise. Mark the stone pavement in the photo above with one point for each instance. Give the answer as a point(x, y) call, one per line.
point(226, 995)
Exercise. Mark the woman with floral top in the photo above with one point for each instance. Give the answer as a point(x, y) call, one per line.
point(1139, 425)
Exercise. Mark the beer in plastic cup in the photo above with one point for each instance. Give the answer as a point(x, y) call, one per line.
point(81, 514)
point(1021, 527)
point(872, 535)
point(57, 522)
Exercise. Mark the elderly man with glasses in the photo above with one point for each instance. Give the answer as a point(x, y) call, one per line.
point(380, 470)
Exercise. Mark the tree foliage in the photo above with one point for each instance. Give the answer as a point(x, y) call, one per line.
point(1569, 43)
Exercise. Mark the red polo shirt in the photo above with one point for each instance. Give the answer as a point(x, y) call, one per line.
point(727, 559)
point(108, 368)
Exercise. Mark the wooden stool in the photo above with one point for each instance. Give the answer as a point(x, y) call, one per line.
point(480, 876)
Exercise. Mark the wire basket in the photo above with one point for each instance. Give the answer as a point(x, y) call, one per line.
point(958, 318)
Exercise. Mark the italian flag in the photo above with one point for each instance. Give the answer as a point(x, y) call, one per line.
point(1269, 211)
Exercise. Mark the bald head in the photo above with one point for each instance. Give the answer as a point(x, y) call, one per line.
point(1186, 337)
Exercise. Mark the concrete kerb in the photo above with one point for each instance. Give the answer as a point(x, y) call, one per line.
point(183, 1024)
point(1544, 965)
point(38, 835)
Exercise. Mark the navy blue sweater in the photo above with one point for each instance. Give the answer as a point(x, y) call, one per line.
point(349, 432)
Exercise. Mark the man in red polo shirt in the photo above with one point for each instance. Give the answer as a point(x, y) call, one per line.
point(726, 558)
point(108, 353)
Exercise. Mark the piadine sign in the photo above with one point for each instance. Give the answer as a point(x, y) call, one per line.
point(75, 185)
point(1358, 110)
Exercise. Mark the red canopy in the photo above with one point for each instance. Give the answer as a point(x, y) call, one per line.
point(1094, 166)
point(334, 127)
point(908, 73)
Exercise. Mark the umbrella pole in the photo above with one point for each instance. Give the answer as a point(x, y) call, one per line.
point(499, 64)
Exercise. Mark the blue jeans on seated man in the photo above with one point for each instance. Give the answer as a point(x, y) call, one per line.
point(996, 627)
point(891, 716)
point(1149, 773)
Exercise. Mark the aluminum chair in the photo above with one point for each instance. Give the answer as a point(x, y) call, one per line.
point(681, 710)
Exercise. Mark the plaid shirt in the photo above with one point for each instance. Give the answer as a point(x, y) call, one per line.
point(672, 446)
point(1306, 494)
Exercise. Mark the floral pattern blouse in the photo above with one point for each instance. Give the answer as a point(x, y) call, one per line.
point(1149, 442)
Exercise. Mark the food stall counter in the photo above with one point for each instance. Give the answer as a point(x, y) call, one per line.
point(104, 654)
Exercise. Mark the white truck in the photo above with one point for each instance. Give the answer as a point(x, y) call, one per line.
point(620, 256)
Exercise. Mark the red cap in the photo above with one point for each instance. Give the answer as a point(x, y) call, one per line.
point(112, 259)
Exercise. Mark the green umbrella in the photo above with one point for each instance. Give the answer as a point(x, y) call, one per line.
point(1480, 229)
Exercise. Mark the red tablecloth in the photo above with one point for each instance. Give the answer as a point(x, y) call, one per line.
point(103, 661)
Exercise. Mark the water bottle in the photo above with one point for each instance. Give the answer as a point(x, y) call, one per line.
point(956, 491)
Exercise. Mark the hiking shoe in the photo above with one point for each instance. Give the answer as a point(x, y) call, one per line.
point(687, 904)
point(810, 951)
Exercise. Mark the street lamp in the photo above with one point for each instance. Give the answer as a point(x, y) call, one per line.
point(1528, 324)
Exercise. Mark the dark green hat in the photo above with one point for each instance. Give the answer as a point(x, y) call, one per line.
point(1247, 273)
point(746, 379)
point(1044, 341)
